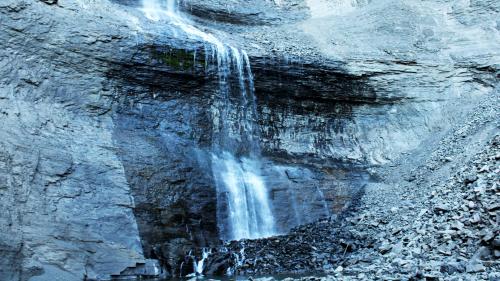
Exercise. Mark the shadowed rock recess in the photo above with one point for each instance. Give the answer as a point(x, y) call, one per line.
point(376, 126)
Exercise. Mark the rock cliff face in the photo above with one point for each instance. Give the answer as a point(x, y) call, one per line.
point(106, 117)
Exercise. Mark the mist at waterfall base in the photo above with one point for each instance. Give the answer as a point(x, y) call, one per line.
point(250, 214)
point(243, 206)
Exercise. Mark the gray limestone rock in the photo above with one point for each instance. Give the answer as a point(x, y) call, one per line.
point(107, 122)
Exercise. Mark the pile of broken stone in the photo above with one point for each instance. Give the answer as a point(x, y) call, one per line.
point(457, 237)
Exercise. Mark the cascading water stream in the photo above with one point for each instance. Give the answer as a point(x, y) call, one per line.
point(198, 265)
point(244, 210)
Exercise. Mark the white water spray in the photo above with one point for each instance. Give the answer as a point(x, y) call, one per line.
point(200, 265)
point(167, 10)
point(250, 214)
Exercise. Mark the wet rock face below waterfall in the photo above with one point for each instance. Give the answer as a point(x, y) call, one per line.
point(108, 121)
point(166, 142)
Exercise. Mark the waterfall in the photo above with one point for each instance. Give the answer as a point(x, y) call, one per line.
point(199, 265)
point(244, 209)
point(249, 211)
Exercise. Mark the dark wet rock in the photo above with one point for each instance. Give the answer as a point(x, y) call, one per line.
point(50, 2)
point(259, 12)
point(149, 268)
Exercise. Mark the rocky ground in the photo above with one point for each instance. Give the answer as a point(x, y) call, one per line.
point(434, 215)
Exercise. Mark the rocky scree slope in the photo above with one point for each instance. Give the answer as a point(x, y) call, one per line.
point(434, 215)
